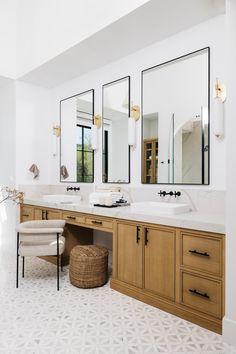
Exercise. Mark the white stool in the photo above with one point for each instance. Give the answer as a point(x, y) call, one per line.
point(40, 238)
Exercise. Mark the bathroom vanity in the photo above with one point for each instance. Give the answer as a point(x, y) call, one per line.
point(174, 263)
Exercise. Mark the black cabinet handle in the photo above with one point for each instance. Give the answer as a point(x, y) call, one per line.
point(137, 234)
point(194, 291)
point(97, 222)
point(146, 236)
point(205, 254)
point(46, 212)
point(43, 215)
point(26, 215)
point(71, 217)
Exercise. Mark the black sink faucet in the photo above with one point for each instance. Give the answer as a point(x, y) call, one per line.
point(164, 193)
point(73, 189)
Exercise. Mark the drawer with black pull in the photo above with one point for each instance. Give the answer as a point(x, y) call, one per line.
point(73, 218)
point(202, 253)
point(99, 223)
point(202, 294)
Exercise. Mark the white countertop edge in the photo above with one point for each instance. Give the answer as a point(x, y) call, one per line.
point(195, 220)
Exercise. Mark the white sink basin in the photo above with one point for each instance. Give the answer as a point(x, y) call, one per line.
point(62, 198)
point(160, 208)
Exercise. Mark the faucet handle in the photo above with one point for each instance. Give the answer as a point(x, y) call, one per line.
point(162, 193)
point(177, 194)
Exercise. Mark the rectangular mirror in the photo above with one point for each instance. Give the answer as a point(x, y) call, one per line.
point(175, 127)
point(115, 113)
point(77, 156)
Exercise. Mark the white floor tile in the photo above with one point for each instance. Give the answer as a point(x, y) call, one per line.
point(36, 318)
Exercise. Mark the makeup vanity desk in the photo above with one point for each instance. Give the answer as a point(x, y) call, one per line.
point(175, 263)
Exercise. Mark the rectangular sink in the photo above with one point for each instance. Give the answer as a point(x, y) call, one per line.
point(160, 208)
point(62, 198)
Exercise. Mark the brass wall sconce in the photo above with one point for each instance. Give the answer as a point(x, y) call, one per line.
point(56, 130)
point(218, 118)
point(135, 112)
point(97, 123)
point(134, 117)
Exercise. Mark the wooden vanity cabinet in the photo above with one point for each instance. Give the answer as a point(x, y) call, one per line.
point(26, 213)
point(130, 253)
point(178, 270)
point(159, 261)
point(46, 214)
point(146, 258)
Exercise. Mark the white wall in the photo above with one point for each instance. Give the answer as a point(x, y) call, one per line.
point(46, 28)
point(229, 328)
point(8, 38)
point(7, 168)
point(7, 133)
point(34, 137)
point(210, 33)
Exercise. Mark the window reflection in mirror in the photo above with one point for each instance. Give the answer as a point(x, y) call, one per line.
point(175, 130)
point(116, 152)
point(77, 157)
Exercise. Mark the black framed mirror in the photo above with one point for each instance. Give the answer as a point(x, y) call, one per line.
point(175, 120)
point(115, 114)
point(76, 153)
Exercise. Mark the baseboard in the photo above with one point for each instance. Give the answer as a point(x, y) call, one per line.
point(229, 331)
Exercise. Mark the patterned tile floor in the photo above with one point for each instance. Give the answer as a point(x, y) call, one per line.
point(37, 319)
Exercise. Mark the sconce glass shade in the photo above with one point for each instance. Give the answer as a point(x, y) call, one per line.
point(218, 121)
point(94, 137)
point(131, 131)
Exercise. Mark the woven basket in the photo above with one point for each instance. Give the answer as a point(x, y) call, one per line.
point(88, 266)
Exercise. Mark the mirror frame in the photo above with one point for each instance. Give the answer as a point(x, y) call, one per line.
point(64, 99)
point(129, 106)
point(207, 49)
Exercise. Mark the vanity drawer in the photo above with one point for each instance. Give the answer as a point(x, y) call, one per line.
point(100, 223)
point(27, 213)
point(202, 253)
point(72, 218)
point(202, 294)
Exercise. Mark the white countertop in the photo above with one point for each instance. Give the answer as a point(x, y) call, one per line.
point(195, 220)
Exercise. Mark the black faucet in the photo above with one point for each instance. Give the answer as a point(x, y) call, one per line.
point(164, 193)
point(73, 189)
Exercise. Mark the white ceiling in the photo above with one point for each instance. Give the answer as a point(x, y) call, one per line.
point(154, 21)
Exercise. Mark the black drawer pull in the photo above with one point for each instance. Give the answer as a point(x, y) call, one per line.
point(205, 254)
point(194, 291)
point(71, 217)
point(146, 236)
point(97, 222)
point(137, 234)
point(26, 215)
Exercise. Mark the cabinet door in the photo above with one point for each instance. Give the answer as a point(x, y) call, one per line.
point(27, 213)
point(38, 214)
point(129, 254)
point(160, 261)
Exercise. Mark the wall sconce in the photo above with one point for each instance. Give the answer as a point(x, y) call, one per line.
point(220, 97)
point(97, 122)
point(56, 131)
point(134, 117)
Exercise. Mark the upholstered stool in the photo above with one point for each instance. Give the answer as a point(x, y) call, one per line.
point(88, 266)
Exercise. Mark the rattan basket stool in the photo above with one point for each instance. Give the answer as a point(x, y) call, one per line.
point(88, 266)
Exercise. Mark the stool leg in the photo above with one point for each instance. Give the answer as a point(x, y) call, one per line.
point(23, 267)
point(62, 260)
point(17, 260)
point(57, 261)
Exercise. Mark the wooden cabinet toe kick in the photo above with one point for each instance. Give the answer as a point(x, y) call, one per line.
point(201, 319)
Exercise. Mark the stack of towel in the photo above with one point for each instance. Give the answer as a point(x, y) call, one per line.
point(105, 196)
